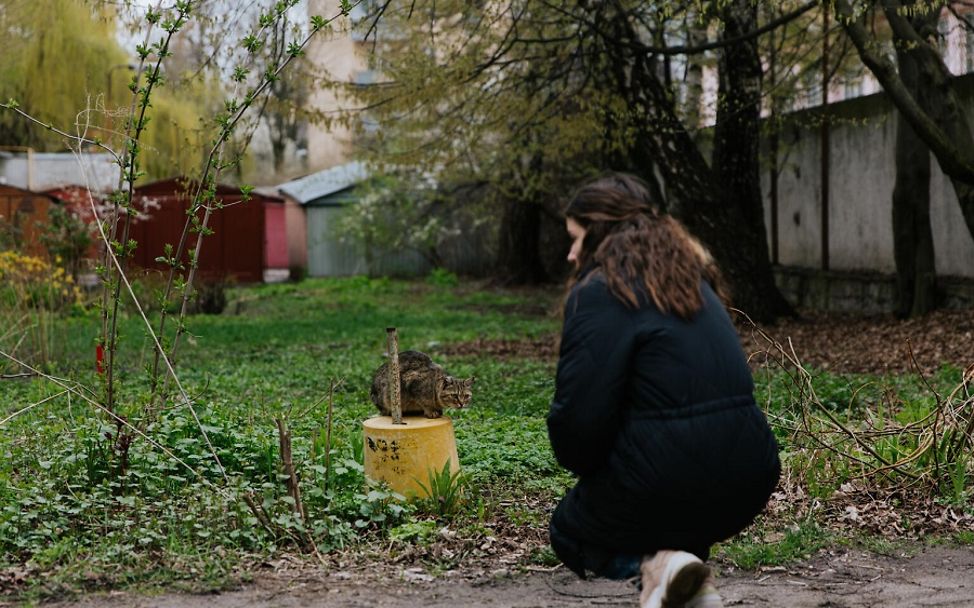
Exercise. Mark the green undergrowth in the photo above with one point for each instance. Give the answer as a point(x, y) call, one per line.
point(71, 513)
point(73, 516)
point(758, 547)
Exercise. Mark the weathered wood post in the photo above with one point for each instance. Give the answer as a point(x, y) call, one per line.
point(395, 392)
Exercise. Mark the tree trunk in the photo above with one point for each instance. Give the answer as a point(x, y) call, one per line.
point(736, 157)
point(732, 229)
point(912, 235)
point(518, 255)
point(913, 250)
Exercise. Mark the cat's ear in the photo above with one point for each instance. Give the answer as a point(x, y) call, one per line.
point(469, 381)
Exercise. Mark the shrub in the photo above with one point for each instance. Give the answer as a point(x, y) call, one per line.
point(32, 293)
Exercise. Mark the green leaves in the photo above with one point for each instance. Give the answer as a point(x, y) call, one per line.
point(240, 74)
point(444, 492)
point(252, 43)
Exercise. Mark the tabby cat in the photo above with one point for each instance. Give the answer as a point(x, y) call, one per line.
point(424, 387)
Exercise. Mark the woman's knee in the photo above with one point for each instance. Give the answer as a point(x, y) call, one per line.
point(568, 549)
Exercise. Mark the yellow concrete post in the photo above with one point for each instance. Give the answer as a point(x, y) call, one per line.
point(402, 455)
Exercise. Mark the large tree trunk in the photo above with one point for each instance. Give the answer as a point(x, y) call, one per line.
point(733, 230)
point(518, 255)
point(912, 235)
point(736, 157)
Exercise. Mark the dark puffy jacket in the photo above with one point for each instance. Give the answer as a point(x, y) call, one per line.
point(656, 415)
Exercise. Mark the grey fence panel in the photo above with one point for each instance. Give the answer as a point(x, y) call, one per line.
point(328, 256)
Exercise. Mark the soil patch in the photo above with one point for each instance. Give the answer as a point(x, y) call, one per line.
point(935, 576)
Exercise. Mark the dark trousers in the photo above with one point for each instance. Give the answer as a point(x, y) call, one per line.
point(586, 559)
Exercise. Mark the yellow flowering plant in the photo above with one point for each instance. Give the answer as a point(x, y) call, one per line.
point(32, 292)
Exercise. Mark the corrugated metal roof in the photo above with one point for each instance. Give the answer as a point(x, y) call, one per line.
point(323, 183)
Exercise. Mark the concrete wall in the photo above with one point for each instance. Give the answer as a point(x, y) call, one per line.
point(860, 292)
point(862, 174)
point(338, 57)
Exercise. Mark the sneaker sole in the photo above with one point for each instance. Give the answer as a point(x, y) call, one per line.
point(685, 584)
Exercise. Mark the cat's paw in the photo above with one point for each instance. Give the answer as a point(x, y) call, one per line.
point(433, 414)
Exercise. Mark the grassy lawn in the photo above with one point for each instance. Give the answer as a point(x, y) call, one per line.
point(73, 516)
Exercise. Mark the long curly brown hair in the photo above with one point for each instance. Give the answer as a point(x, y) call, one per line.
point(636, 246)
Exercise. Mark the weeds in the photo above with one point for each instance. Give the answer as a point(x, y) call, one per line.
point(797, 542)
point(444, 492)
point(874, 439)
point(33, 294)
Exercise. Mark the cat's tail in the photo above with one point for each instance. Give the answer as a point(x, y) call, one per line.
point(375, 395)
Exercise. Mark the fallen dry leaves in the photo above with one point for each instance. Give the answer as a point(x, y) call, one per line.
point(876, 344)
point(840, 343)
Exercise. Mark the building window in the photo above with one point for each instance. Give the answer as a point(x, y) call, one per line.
point(852, 87)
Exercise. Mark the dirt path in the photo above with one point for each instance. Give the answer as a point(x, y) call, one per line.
point(838, 579)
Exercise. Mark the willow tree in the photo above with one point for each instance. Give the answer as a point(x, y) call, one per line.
point(72, 72)
point(55, 67)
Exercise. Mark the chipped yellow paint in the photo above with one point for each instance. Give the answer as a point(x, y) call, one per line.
point(403, 454)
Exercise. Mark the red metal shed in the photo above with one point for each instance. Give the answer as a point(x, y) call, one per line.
point(247, 236)
point(78, 199)
point(23, 214)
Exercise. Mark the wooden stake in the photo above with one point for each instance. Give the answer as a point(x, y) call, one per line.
point(287, 460)
point(395, 396)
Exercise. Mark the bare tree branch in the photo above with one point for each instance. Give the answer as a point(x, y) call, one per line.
point(956, 161)
point(708, 46)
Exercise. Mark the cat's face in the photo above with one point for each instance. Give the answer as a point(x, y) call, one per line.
point(455, 392)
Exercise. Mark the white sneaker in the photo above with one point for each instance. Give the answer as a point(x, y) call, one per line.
point(677, 579)
point(707, 597)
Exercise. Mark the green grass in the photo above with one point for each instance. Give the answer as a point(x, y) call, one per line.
point(274, 351)
point(70, 518)
point(756, 548)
